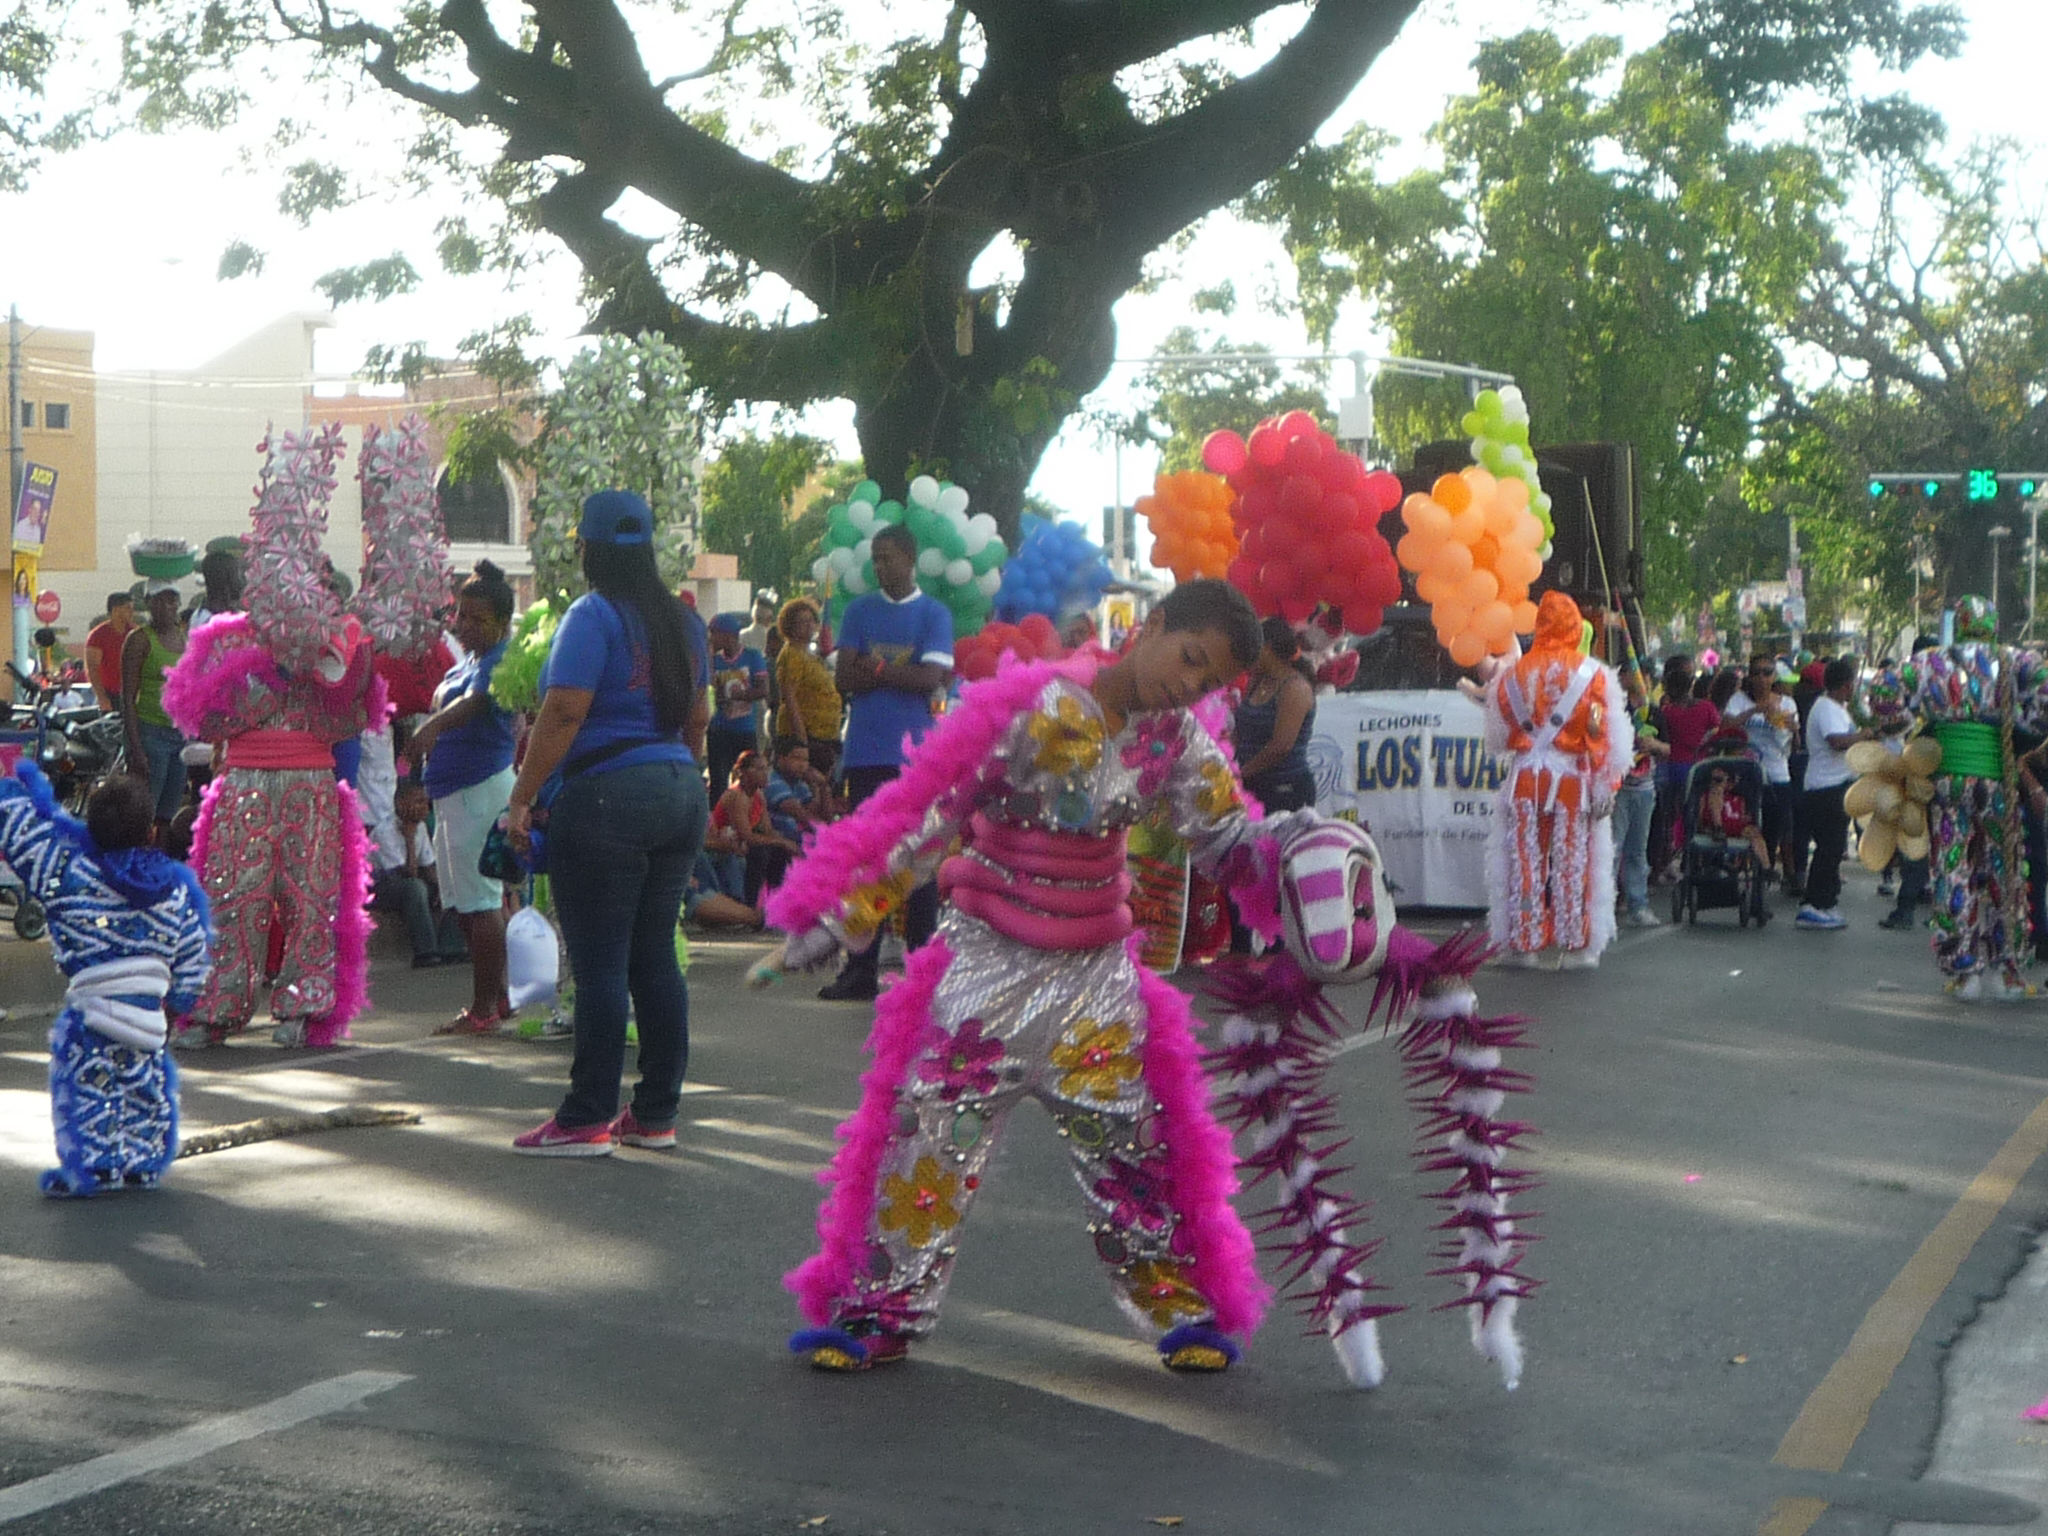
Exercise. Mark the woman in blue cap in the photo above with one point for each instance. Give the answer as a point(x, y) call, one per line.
point(613, 757)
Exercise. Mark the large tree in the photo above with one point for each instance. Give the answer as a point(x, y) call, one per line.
point(814, 193)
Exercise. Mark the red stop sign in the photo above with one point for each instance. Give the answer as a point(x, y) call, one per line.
point(48, 606)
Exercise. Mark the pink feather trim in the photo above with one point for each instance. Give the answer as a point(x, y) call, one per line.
point(1200, 1161)
point(948, 768)
point(902, 1017)
point(351, 927)
point(209, 685)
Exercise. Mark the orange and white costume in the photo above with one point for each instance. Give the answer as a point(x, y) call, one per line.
point(1551, 858)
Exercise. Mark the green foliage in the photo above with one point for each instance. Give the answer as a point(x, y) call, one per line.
point(239, 259)
point(1607, 240)
point(1751, 52)
point(624, 418)
point(478, 443)
point(383, 278)
point(749, 492)
point(311, 187)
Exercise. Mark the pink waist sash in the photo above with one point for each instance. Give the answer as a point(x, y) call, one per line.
point(1048, 890)
point(279, 749)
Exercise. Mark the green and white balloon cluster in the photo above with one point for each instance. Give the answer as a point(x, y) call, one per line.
point(1498, 425)
point(959, 557)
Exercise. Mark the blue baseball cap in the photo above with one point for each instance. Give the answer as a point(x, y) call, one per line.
point(616, 517)
point(727, 623)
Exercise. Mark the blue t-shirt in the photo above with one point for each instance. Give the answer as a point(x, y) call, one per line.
point(737, 717)
point(917, 629)
point(782, 793)
point(465, 755)
point(602, 648)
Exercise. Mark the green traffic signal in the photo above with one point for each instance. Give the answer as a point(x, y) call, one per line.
point(2028, 487)
point(1877, 488)
point(1930, 489)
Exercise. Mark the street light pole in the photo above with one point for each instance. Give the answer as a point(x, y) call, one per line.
point(1997, 536)
point(2033, 558)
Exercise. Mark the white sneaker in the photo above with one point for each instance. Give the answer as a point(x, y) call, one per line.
point(1814, 917)
point(1579, 960)
point(1643, 917)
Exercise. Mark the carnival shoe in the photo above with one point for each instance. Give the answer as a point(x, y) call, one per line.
point(1197, 1349)
point(1643, 917)
point(1579, 960)
point(552, 1140)
point(628, 1131)
point(193, 1037)
point(290, 1033)
point(1967, 989)
point(1814, 917)
point(834, 1349)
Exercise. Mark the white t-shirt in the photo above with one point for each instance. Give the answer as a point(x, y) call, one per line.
point(1770, 739)
point(1825, 767)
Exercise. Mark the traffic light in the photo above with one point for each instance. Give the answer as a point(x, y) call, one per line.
point(1876, 490)
point(2029, 487)
point(1930, 489)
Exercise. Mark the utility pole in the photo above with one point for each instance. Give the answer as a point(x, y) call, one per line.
point(2033, 558)
point(1997, 536)
point(14, 448)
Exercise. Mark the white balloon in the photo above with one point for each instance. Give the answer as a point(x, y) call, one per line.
point(924, 490)
point(959, 572)
point(821, 568)
point(953, 499)
point(842, 560)
point(988, 583)
point(975, 539)
point(931, 561)
point(862, 516)
point(855, 583)
point(985, 521)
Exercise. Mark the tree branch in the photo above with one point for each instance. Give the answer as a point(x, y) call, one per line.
point(793, 364)
point(1217, 151)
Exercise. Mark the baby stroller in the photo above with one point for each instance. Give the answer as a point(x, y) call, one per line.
point(1718, 870)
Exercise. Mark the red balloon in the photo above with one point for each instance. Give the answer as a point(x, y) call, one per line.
point(1255, 545)
point(1279, 577)
point(1353, 551)
point(1299, 424)
point(1302, 456)
point(1243, 575)
point(1300, 495)
point(1382, 586)
point(1224, 452)
point(1266, 448)
point(1363, 619)
point(1038, 629)
point(1295, 609)
point(1256, 504)
point(1380, 493)
point(1341, 510)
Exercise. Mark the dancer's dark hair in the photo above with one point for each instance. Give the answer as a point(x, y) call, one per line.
point(1207, 603)
point(487, 581)
point(120, 813)
point(626, 574)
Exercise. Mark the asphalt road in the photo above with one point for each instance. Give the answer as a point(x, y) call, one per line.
point(1746, 1138)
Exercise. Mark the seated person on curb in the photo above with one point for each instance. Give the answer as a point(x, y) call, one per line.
point(707, 906)
point(797, 798)
point(402, 880)
point(1725, 814)
point(743, 811)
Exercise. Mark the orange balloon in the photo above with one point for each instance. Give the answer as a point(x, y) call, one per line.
point(1513, 493)
point(1525, 617)
point(1431, 588)
point(1452, 615)
point(1481, 481)
point(1486, 553)
point(1451, 493)
point(1452, 561)
point(1500, 517)
point(1415, 552)
point(1479, 589)
point(1528, 532)
point(1431, 521)
point(1494, 622)
point(1468, 527)
point(1468, 650)
point(1411, 504)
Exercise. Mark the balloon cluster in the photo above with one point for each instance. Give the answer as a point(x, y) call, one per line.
point(959, 558)
point(1057, 571)
point(1894, 790)
point(1307, 516)
point(1498, 425)
point(1472, 542)
point(1035, 639)
point(1192, 532)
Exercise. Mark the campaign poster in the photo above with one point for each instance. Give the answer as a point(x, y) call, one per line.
point(32, 507)
point(1414, 767)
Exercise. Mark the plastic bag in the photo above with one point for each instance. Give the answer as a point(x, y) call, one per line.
point(533, 959)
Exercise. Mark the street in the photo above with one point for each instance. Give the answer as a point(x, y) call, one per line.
point(1747, 1138)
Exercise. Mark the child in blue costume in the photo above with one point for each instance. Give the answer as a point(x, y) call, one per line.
point(129, 928)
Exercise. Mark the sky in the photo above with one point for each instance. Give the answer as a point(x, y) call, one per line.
point(123, 238)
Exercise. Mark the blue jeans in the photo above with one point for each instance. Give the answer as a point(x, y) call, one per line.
point(162, 746)
point(1633, 809)
point(621, 845)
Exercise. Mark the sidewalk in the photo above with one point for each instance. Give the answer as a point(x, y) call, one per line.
point(1994, 1372)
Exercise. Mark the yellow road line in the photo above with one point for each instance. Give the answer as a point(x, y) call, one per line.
point(1821, 1438)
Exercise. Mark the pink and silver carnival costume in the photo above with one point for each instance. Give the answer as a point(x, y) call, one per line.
point(1030, 990)
point(279, 842)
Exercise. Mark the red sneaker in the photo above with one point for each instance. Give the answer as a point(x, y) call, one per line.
point(630, 1131)
point(552, 1140)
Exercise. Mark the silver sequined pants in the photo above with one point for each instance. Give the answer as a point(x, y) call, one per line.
point(1011, 1023)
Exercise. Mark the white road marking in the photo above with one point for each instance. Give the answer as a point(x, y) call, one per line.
point(193, 1442)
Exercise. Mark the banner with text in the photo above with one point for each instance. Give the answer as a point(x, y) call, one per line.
point(32, 508)
point(1415, 767)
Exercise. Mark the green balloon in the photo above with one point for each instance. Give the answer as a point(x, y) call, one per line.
point(889, 512)
point(990, 557)
point(866, 491)
point(839, 527)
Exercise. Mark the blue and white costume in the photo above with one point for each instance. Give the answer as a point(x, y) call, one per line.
point(130, 930)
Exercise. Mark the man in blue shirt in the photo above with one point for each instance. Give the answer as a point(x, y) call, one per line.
point(895, 656)
point(739, 682)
